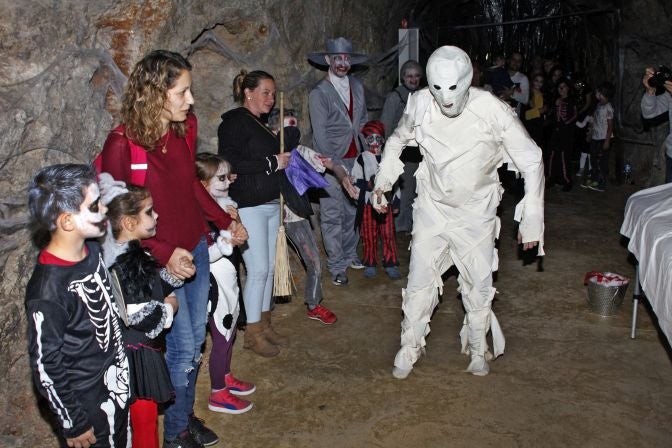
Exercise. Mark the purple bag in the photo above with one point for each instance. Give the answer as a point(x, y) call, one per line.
point(302, 175)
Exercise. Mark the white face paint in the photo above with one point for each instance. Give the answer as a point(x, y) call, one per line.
point(90, 221)
point(339, 64)
point(218, 186)
point(412, 79)
point(375, 143)
point(449, 73)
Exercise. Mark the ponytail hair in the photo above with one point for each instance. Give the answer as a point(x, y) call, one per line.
point(245, 80)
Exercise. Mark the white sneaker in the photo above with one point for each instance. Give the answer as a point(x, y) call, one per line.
point(400, 374)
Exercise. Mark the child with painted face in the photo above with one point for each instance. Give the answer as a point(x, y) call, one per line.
point(74, 335)
point(373, 225)
point(224, 298)
point(298, 229)
point(144, 295)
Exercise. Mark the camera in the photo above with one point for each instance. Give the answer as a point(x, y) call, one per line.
point(658, 79)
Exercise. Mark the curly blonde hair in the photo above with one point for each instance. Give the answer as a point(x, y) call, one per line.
point(145, 96)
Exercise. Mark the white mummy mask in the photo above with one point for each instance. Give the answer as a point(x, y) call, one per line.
point(449, 74)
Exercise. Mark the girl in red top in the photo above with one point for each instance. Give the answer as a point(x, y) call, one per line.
point(156, 115)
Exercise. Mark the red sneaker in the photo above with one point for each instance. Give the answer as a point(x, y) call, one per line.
point(322, 314)
point(224, 401)
point(237, 387)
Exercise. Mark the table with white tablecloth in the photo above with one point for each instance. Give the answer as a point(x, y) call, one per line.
point(648, 224)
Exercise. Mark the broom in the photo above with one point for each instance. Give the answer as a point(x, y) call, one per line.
point(282, 280)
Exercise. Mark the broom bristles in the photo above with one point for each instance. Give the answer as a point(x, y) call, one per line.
point(283, 283)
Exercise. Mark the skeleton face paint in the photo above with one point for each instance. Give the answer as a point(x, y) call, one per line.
point(449, 73)
point(90, 221)
point(146, 226)
point(339, 64)
point(218, 186)
point(375, 143)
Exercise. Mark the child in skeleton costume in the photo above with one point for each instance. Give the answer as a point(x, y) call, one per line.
point(145, 296)
point(74, 335)
point(464, 134)
point(371, 224)
point(224, 299)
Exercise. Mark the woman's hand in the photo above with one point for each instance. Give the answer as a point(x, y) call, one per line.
point(648, 73)
point(283, 159)
point(181, 265)
point(232, 211)
point(238, 233)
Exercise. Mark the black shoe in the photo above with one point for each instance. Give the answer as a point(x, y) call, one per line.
point(340, 280)
point(567, 187)
point(184, 440)
point(201, 433)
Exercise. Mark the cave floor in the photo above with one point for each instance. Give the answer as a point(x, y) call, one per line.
point(568, 378)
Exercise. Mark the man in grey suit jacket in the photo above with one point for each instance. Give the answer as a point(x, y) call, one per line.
point(337, 114)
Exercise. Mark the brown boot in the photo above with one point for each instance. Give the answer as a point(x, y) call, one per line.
point(255, 341)
point(269, 333)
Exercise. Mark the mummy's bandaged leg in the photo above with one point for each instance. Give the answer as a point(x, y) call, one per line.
point(419, 300)
point(477, 293)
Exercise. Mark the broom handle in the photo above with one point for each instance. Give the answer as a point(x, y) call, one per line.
point(282, 149)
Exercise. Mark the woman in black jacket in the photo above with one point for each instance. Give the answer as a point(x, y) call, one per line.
point(254, 154)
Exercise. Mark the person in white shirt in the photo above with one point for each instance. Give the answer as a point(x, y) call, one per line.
point(521, 85)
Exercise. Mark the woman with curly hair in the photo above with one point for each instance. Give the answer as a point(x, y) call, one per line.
point(155, 147)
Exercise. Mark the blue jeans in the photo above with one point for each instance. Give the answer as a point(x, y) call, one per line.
point(302, 237)
point(184, 342)
point(262, 223)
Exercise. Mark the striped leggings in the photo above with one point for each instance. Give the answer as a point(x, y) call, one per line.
point(376, 224)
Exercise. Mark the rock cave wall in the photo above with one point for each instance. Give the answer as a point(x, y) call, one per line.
point(65, 63)
point(62, 74)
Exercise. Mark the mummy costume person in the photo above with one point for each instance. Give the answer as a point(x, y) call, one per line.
point(464, 134)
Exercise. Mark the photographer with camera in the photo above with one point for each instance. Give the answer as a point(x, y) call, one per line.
point(653, 105)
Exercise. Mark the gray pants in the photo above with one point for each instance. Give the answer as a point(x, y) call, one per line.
point(337, 221)
point(404, 220)
point(302, 237)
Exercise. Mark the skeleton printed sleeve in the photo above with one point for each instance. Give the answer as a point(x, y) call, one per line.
point(46, 329)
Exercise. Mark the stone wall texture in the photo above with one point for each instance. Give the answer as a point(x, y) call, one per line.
point(62, 72)
point(64, 64)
